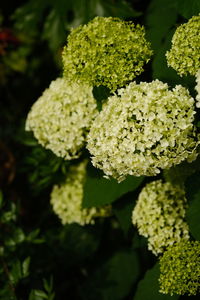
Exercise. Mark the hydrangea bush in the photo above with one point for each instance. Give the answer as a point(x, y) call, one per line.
point(105, 126)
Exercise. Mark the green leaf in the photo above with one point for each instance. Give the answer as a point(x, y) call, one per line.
point(192, 187)
point(123, 211)
point(1, 198)
point(158, 21)
point(121, 9)
point(114, 279)
point(79, 242)
point(48, 285)
point(16, 272)
point(193, 213)
point(54, 30)
point(178, 174)
point(100, 191)
point(37, 295)
point(148, 287)
point(28, 16)
point(25, 267)
point(100, 93)
point(188, 8)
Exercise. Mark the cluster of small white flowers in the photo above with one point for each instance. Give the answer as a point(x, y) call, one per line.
point(159, 215)
point(143, 129)
point(198, 89)
point(61, 117)
point(66, 199)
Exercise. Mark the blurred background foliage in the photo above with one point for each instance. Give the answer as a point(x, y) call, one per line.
point(40, 258)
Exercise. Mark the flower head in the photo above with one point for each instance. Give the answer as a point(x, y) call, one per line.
point(106, 51)
point(180, 269)
point(66, 199)
point(184, 55)
point(198, 89)
point(143, 129)
point(159, 215)
point(61, 117)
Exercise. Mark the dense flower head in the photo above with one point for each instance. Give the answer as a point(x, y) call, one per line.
point(198, 89)
point(66, 199)
point(184, 55)
point(61, 117)
point(143, 129)
point(180, 269)
point(159, 215)
point(106, 51)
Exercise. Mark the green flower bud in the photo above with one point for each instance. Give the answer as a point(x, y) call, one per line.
point(106, 51)
point(180, 269)
point(184, 55)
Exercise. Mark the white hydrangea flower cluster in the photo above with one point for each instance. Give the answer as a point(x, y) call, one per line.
point(159, 215)
point(143, 129)
point(198, 89)
point(66, 199)
point(61, 117)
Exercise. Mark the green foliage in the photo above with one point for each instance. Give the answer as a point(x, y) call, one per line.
point(42, 166)
point(47, 293)
point(193, 211)
point(39, 258)
point(160, 36)
point(188, 9)
point(100, 191)
point(148, 287)
point(57, 17)
point(107, 281)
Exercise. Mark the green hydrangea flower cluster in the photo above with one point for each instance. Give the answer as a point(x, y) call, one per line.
point(143, 129)
point(159, 215)
point(180, 269)
point(61, 117)
point(66, 199)
point(198, 89)
point(184, 55)
point(106, 51)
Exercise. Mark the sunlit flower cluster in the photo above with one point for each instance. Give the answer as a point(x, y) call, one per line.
point(198, 89)
point(61, 117)
point(159, 215)
point(143, 129)
point(106, 51)
point(66, 199)
point(184, 55)
point(180, 269)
